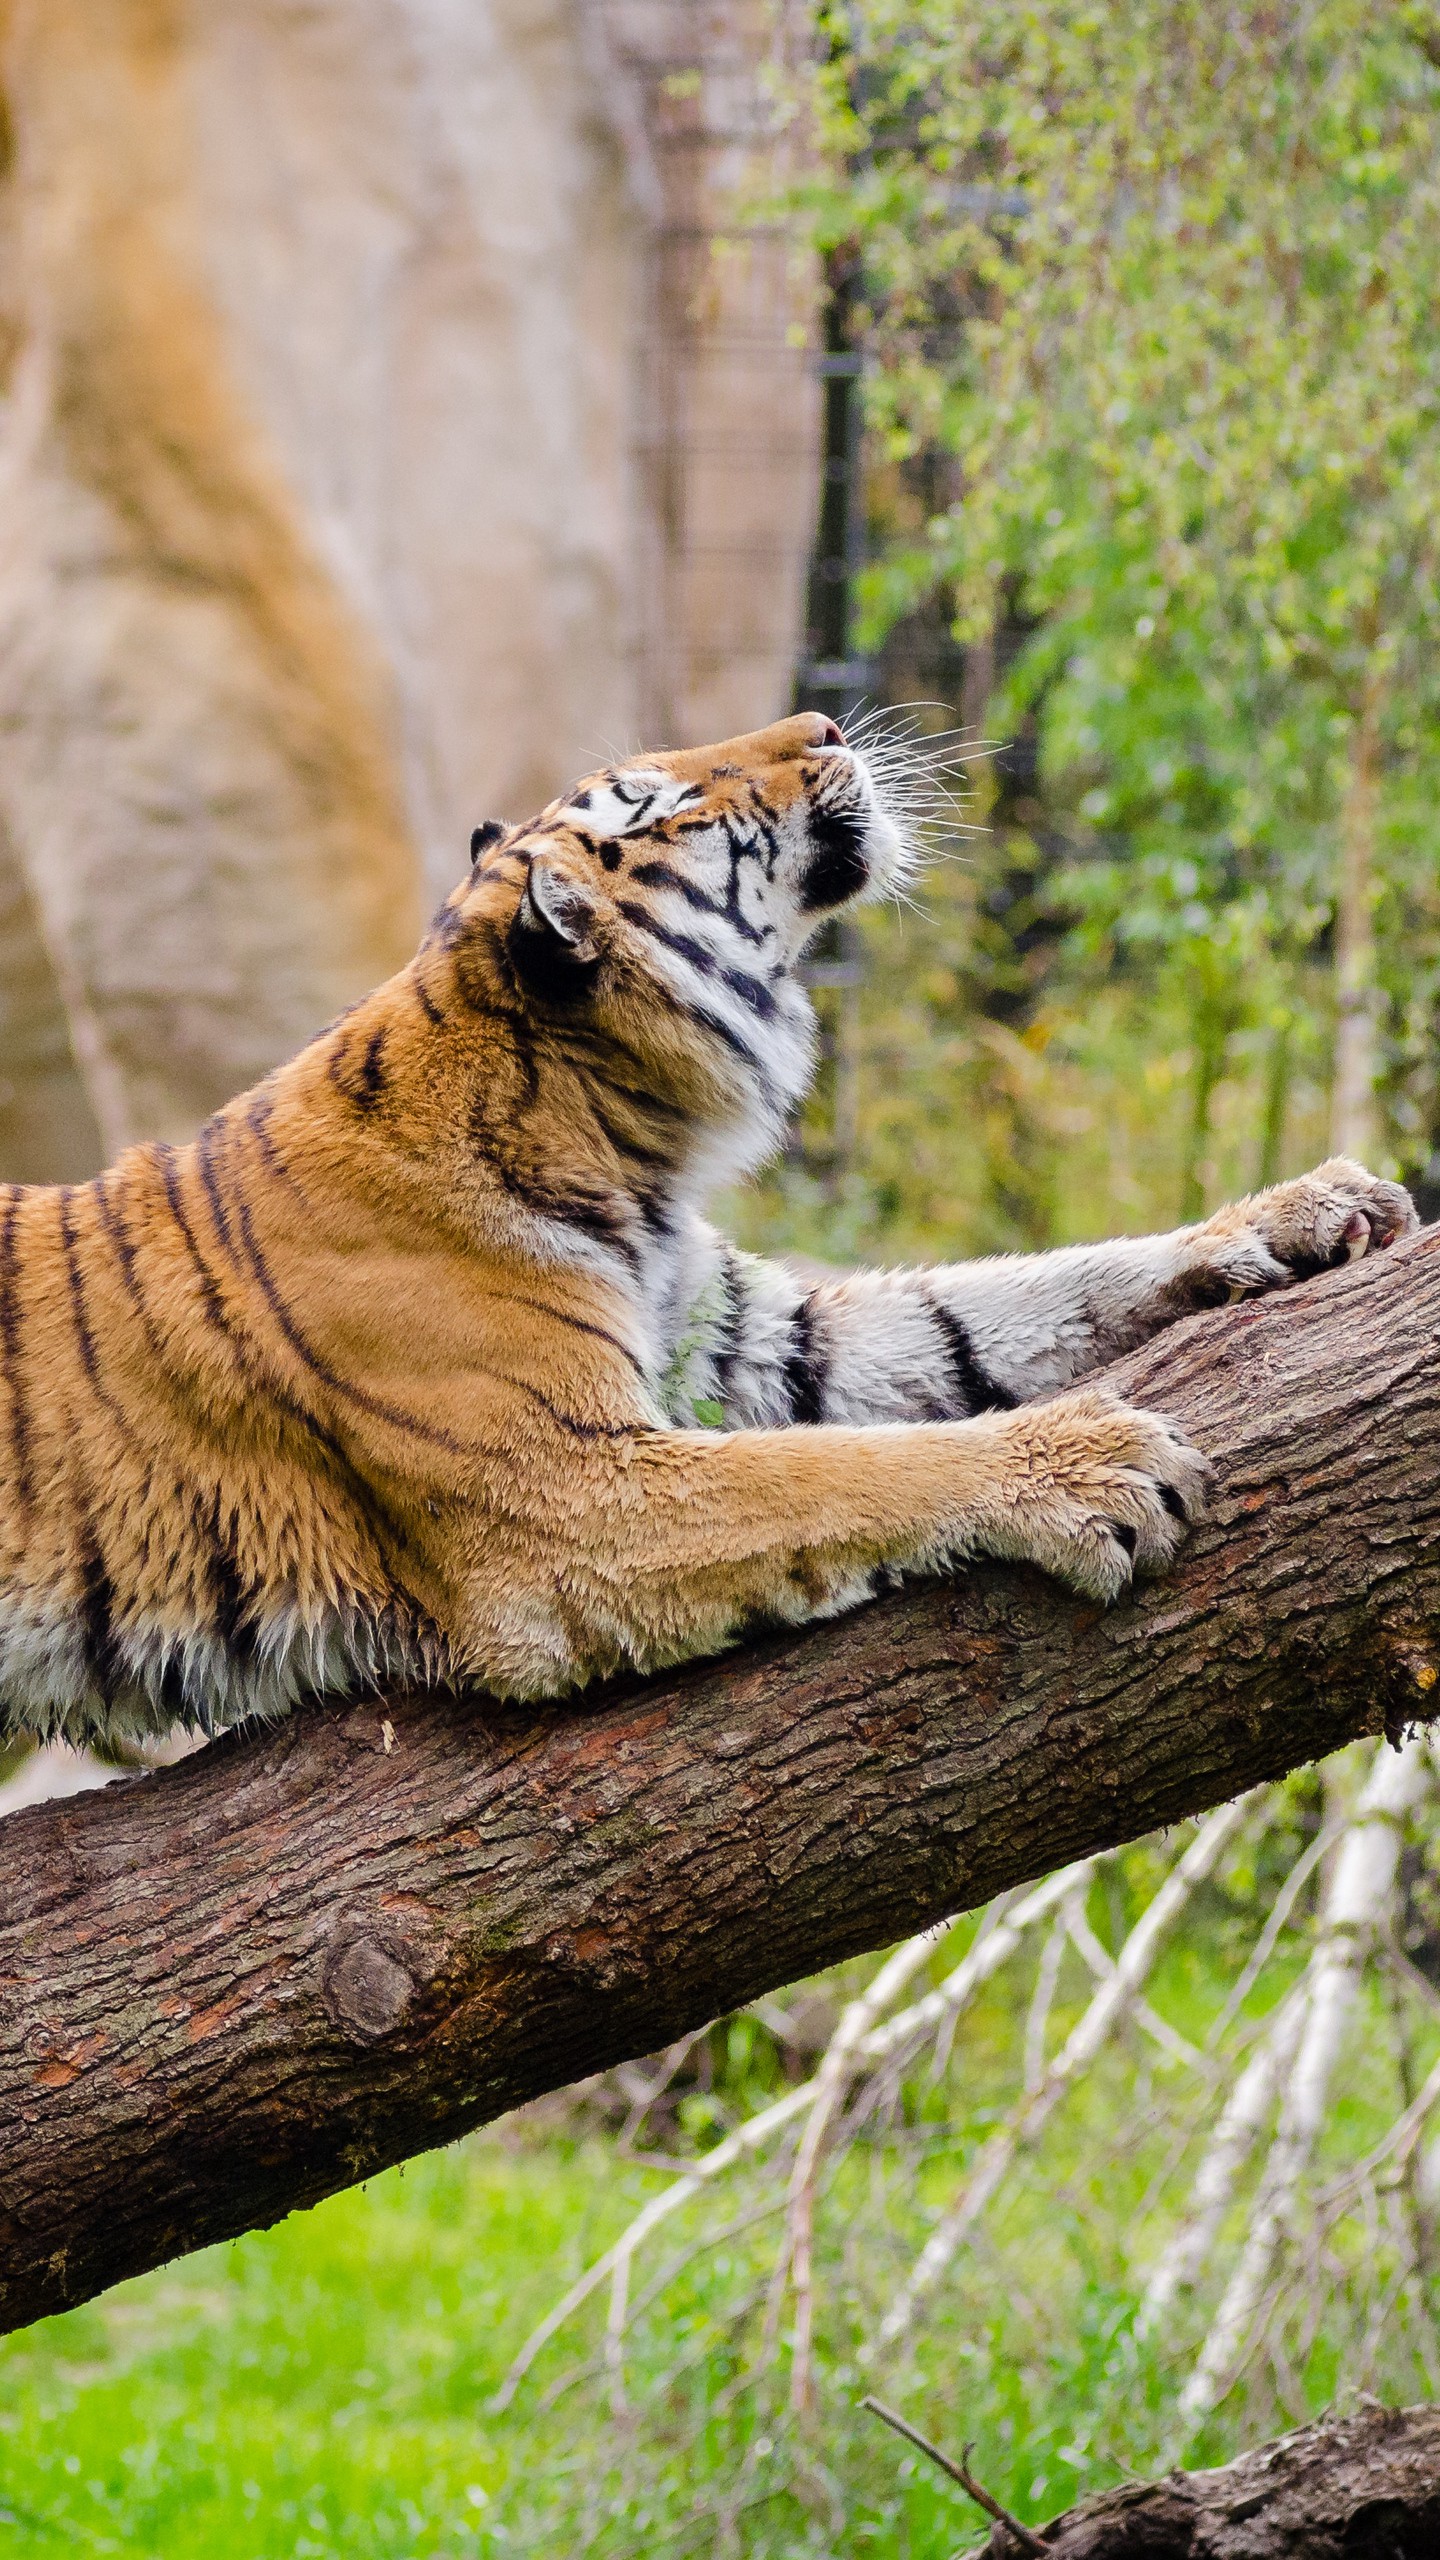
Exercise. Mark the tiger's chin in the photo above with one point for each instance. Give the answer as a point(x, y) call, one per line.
point(857, 852)
point(889, 856)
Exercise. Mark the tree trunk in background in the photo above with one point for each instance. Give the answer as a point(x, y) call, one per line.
point(1353, 1119)
point(727, 402)
point(1216, 1007)
point(198, 774)
point(381, 442)
point(231, 1989)
point(1278, 1065)
point(48, 1128)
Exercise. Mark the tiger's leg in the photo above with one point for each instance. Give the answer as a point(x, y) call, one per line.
point(669, 1544)
point(974, 1337)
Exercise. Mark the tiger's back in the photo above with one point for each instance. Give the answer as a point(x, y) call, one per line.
point(422, 1363)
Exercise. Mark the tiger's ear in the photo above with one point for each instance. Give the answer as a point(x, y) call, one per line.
point(552, 940)
point(483, 838)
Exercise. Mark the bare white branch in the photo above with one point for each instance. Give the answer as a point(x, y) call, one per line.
point(1111, 2003)
point(988, 1952)
point(1360, 1895)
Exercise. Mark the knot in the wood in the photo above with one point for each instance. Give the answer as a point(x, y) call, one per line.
point(368, 1990)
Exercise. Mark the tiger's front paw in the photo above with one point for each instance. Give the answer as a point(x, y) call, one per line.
point(1092, 1491)
point(1327, 1217)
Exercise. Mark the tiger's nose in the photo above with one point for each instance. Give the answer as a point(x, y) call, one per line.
point(831, 735)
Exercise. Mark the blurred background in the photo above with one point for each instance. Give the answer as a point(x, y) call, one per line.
point(405, 404)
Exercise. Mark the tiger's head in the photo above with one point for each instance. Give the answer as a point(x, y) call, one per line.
point(662, 906)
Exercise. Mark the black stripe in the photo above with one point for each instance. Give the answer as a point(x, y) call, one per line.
point(600, 1215)
point(751, 991)
point(446, 927)
point(768, 832)
point(310, 1359)
point(373, 1076)
point(243, 1352)
point(807, 1368)
point(366, 1088)
point(683, 944)
point(480, 989)
point(975, 1390)
point(209, 1286)
point(571, 1422)
point(600, 1051)
point(112, 1219)
point(257, 1121)
point(205, 1146)
point(653, 1103)
point(231, 1597)
point(259, 1113)
point(657, 1210)
point(483, 999)
point(256, 1371)
point(580, 1324)
point(83, 1335)
point(10, 1347)
point(113, 1222)
point(715, 1022)
point(732, 1340)
point(428, 1006)
point(79, 1312)
point(657, 1159)
point(663, 875)
point(96, 1610)
point(97, 1600)
point(377, 1405)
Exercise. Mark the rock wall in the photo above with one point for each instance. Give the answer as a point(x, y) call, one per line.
point(383, 437)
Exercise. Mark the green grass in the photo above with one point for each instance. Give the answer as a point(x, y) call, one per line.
point(317, 2390)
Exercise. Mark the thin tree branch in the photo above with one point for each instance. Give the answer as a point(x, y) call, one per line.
point(959, 2471)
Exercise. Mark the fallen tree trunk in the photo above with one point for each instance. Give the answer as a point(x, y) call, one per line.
point(1363, 2488)
point(233, 1988)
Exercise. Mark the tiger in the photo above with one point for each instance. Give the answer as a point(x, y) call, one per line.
point(421, 1364)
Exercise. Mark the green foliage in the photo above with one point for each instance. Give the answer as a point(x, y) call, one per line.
point(1157, 283)
point(1070, 1118)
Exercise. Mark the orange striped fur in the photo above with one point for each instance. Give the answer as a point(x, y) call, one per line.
point(421, 1362)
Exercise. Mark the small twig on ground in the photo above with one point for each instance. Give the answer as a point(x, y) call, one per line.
point(959, 2471)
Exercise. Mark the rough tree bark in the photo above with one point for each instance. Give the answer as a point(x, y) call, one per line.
point(1367, 2488)
point(231, 1989)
